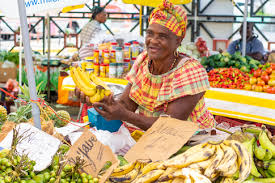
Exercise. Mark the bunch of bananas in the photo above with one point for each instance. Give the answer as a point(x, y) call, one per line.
point(226, 161)
point(262, 151)
point(90, 85)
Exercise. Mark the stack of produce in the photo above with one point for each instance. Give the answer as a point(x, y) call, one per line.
point(90, 85)
point(225, 60)
point(226, 161)
point(262, 152)
point(228, 78)
point(196, 50)
point(263, 79)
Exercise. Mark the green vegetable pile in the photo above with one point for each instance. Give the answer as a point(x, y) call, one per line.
point(225, 60)
point(10, 56)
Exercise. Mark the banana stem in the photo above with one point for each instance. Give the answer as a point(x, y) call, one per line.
point(226, 131)
point(254, 131)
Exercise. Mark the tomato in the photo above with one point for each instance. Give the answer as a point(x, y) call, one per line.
point(266, 87)
point(273, 90)
point(257, 73)
point(264, 73)
point(271, 82)
point(260, 82)
point(268, 70)
point(269, 90)
point(265, 78)
point(258, 88)
point(253, 80)
point(273, 66)
point(247, 86)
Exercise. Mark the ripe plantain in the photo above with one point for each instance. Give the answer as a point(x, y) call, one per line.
point(129, 177)
point(123, 169)
point(167, 172)
point(149, 167)
point(178, 180)
point(149, 177)
point(210, 171)
point(229, 160)
point(172, 175)
point(195, 176)
point(83, 76)
point(201, 166)
point(98, 81)
point(244, 160)
point(96, 97)
point(195, 154)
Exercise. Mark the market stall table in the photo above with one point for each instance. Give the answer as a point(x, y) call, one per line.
point(239, 104)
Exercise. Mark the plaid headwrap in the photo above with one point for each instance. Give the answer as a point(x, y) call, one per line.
point(170, 16)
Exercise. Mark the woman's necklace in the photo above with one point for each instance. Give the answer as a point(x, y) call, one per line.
point(151, 66)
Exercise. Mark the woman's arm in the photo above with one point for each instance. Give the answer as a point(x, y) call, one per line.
point(180, 109)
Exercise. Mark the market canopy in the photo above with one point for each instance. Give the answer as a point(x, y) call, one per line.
point(154, 3)
point(38, 6)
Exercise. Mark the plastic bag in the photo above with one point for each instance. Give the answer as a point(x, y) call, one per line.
point(120, 142)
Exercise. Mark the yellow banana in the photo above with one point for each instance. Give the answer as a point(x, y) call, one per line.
point(89, 91)
point(149, 177)
point(195, 154)
point(96, 97)
point(97, 81)
point(129, 177)
point(102, 94)
point(230, 158)
point(123, 169)
point(244, 160)
point(232, 170)
point(149, 167)
point(84, 77)
point(210, 171)
point(107, 92)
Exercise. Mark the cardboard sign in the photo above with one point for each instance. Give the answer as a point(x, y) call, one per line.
point(94, 153)
point(38, 145)
point(162, 140)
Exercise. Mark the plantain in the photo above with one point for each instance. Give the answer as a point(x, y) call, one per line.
point(98, 81)
point(229, 160)
point(266, 143)
point(96, 97)
point(167, 172)
point(149, 177)
point(244, 160)
point(129, 177)
point(172, 175)
point(149, 167)
point(198, 153)
point(123, 169)
point(210, 171)
point(195, 176)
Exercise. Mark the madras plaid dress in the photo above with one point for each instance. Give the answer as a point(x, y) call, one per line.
point(152, 93)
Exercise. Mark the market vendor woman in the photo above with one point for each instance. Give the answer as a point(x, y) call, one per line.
point(162, 80)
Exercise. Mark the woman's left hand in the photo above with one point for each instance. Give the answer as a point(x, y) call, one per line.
point(111, 109)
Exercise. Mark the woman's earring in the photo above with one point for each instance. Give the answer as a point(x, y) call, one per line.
point(176, 54)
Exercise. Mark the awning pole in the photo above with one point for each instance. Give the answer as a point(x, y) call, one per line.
point(29, 63)
point(244, 28)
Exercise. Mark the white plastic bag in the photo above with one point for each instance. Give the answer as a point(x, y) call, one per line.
point(120, 142)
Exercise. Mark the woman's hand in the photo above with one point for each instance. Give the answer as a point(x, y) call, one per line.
point(111, 109)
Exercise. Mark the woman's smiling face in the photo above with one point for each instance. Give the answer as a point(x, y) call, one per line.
point(160, 42)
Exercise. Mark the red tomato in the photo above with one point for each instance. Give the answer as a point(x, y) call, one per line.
point(265, 78)
point(266, 87)
point(269, 90)
point(257, 73)
point(268, 70)
point(260, 82)
point(264, 73)
point(273, 66)
point(273, 90)
point(253, 80)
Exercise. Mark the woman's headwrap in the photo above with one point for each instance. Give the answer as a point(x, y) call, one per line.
point(170, 16)
point(96, 10)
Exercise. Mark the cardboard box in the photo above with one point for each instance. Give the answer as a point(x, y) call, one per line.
point(7, 73)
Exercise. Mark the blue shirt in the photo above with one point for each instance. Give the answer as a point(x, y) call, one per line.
point(252, 46)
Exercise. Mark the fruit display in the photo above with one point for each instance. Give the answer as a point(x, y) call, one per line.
point(196, 50)
point(231, 78)
point(262, 79)
point(262, 152)
point(225, 60)
point(225, 161)
point(90, 85)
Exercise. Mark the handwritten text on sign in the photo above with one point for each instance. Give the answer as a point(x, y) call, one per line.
point(94, 153)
